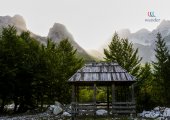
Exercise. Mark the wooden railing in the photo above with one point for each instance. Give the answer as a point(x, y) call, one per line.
point(124, 107)
point(85, 108)
point(91, 108)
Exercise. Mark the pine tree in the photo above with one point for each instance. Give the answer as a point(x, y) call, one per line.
point(69, 63)
point(144, 88)
point(159, 69)
point(122, 52)
point(166, 78)
point(8, 62)
point(161, 56)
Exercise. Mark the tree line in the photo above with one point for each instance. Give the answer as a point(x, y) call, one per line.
point(33, 74)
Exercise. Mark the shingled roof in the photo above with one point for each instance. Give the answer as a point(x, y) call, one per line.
point(102, 72)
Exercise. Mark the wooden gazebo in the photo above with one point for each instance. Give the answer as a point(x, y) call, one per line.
point(110, 75)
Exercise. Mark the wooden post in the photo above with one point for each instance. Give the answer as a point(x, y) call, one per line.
point(133, 94)
point(108, 99)
point(77, 93)
point(73, 102)
point(113, 97)
point(73, 93)
point(133, 99)
point(94, 98)
point(77, 98)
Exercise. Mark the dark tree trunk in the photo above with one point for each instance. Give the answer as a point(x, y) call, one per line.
point(21, 105)
point(2, 105)
point(15, 104)
point(42, 102)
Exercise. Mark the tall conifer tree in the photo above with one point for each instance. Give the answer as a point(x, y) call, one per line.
point(161, 54)
point(122, 52)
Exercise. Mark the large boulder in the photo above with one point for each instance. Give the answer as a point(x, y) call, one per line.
point(56, 109)
point(166, 112)
point(157, 108)
point(66, 114)
point(101, 112)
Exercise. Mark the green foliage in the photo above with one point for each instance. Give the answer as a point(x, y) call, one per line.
point(32, 74)
point(68, 64)
point(166, 78)
point(10, 52)
point(153, 89)
point(122, 52)
point(86, 94)
point(161, 56)
point(101, 95)
point(161, 70)
point(144, 89)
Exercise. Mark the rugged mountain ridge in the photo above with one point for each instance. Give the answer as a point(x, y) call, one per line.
point(57, 32)
point(144, 39)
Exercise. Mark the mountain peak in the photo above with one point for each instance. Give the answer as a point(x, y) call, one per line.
point(59, 32)
point(142, 31)
point(17, 20)
point(164, 24)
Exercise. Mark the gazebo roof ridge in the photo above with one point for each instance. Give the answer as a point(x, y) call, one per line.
point(93, 64)
point(101, 63)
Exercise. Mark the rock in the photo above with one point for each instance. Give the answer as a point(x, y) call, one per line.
point(155, 115)
point(147, 115)
point(67, 108)
point(66, 114)
point(166, 112)
point(162, 109)
point(160, 118)
point(150, 114)
point(156, 108)
point(55, 109)
point(58, 104)
point(101, 112)
point(11, 106)
point(143, 113)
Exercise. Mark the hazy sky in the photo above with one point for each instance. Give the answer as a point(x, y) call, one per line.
point(91, 22)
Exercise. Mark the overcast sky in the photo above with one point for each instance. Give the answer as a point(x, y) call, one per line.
point(91, 22)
